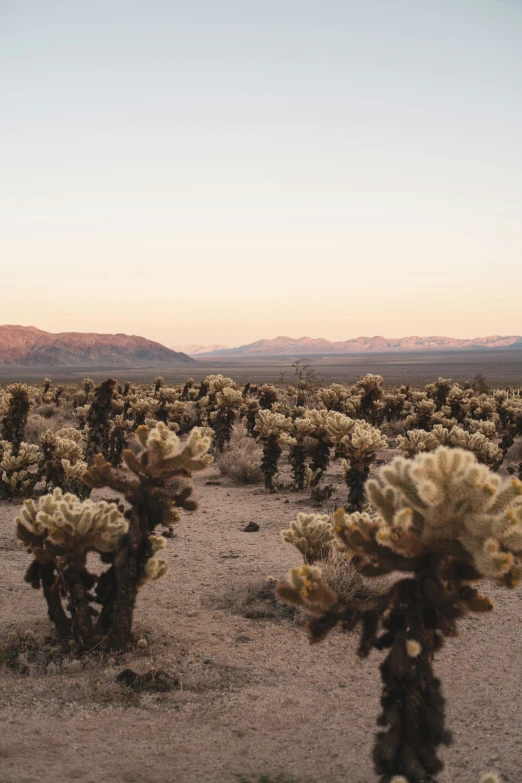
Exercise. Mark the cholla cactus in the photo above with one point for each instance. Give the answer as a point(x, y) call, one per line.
point(141, 408)
point(334, 397)
point(165, 399)
point(483, 408)
point(99, 420)
point(62, 464)
point(120, 431)
point(393, 405)
point(423, 411)
point(158, 383)
point(187, 388)
point(250, 410)
point(417, 441)
point(312, 535)
point(267, 396)
point(458, 400)
point(485, 451)
point(302, 476)
point(228, 402)
point(62, 523)
point(15, 479)
point(369, 391)
point(486, 428)
point(82, 411)
point(60, 530)
point(269, 427)
point(320, 452)
point(439, 391)
point(86, 397)
point(445, 521)
point(159, 483)
point(217, 383)
point(360, 448)
point(15, 418)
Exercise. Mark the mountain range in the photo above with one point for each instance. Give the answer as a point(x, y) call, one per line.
point(289, 346)
point(195, 349)
point(27, 345)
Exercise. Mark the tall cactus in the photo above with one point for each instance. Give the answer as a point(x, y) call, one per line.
point(446, 521)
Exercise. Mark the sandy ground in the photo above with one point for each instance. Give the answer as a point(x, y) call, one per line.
point(254, 697)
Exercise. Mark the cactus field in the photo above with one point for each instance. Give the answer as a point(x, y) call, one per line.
point(216, 581)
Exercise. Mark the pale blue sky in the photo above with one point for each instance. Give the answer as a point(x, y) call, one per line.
point(216, 171)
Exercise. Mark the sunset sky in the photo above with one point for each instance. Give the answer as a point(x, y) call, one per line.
point(208, 171)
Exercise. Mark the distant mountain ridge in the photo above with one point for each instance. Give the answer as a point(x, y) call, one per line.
point(195, 349)
point(308, 345)
point(27, 345)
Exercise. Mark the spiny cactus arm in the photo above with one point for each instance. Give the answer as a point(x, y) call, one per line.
point(101, 474)
point(307, 590)
point(365, 536)
point(185, 463)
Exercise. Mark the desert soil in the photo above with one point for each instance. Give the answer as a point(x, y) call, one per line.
point(254, 697)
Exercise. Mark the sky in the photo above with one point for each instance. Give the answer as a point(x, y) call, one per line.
point(221, 171)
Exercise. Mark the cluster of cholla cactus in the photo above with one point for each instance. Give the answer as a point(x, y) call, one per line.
point(369, 389)
point(443, 521)
point(250, 409)
point(487, 452)
point(267, 395)
point(439, 392)
point(62, 463)
point(322, 443)
point(302, 474)
point(98, 420)
point(228, 402)
point(159, 481)
point(60, 530)
point(16, 479)
point(14, 420)
point(360, 446)
point(269, 429)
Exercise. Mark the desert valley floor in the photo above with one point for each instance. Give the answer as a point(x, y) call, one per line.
point(253, 696)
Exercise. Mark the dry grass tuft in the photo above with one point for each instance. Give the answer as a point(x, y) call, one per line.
point(242, 460)
point(37, 423)
point(515, 452)
point(394, 428)
point(344, 579)
point(257, 601)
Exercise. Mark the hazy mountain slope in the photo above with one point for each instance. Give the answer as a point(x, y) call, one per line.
point(26, 345)
point(308, 345)
point(195, 349)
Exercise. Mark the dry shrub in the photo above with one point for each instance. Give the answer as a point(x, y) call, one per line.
point(514, 454)
point(46, 410)
point(242, 460)
point(36, 426)
point(256, 601)
point(342, 577)
point(37, 423)
point(394, 428)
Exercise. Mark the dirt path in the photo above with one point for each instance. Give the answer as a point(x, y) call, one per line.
point(254, 697)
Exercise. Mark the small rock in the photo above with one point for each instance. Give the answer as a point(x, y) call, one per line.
point(243, 638)
point(252, 527)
